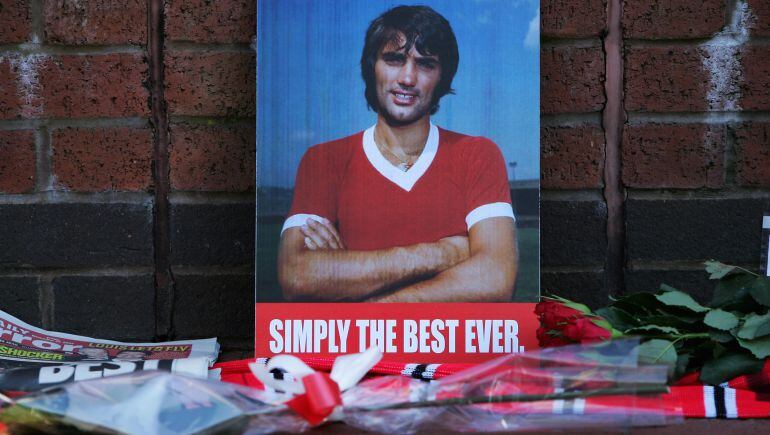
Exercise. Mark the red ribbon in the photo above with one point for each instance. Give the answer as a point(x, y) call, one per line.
point(321, 396)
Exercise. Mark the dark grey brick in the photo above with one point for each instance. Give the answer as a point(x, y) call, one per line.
point(219, 305)
point(727, 230)
point(584, 287)
point(235, 351)
point(75, 235)
point(221, 234)
point(573, 233)
point(110, 307)
point(695, 283)
point(19, 298)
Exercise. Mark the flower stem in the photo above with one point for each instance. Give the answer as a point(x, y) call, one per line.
point(679, 338)
point(746, 270)
point(567, 395)
point(676, 337)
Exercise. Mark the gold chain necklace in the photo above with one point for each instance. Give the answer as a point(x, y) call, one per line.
point(404, 165)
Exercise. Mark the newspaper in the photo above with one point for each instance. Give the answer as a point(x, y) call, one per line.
point(22, 345)
point(29, 379)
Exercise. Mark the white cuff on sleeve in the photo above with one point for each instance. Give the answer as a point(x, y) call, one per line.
point(297, 220)
point(495, 209)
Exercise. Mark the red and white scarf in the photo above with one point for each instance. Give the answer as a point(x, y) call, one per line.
point(743, 397)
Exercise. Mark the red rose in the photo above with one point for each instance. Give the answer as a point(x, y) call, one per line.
point(554, 316)
point(552, 313)
point(545, 339)
point(565, 322)
point(583, 330)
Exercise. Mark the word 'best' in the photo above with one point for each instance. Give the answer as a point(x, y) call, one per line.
point(423, 336)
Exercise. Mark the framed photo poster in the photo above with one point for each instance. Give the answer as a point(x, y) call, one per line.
point(397, 178)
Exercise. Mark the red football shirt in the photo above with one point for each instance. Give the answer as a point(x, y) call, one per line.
point(457, 181)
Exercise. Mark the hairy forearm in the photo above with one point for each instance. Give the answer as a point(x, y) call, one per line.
point(341, 274)
point(481, 278)
point(488, 275)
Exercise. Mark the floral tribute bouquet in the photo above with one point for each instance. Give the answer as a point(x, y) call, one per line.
point(579, 386)
point(716, 343)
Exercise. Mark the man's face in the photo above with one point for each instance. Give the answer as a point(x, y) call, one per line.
point(94, 353)
point(128, 355)
point(405, 82)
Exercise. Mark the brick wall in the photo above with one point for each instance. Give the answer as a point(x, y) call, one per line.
point(692, 151)
point(126, 156)
point(126, 167)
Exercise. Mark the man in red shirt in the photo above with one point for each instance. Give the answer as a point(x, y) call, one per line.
point(404, 211)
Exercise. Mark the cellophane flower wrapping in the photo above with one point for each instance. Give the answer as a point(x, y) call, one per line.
point(571, 387)
point(165, 403)
point(607, 385)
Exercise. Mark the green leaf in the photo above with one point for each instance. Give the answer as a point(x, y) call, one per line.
point(723, 369)
point(760, 290)
point(718, 351)
point(682, 314)
point(721, 336)
point(760, 347)
point(652, 328)
point(574, 305)
point(700, 350)
point(658, 351)
point(718, 270)
point(638, 304)
point(732, 292)
point(617, 334)
point(675, 298)
point(602, 323)
point(618, 318)
point(755, 326)
point(667, 288)
point(679, 322)
point(721, 320)
point(681, 365)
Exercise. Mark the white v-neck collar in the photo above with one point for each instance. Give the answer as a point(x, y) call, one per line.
point(405, 180)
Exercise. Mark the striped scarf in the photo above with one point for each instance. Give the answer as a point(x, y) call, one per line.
point(743, 397)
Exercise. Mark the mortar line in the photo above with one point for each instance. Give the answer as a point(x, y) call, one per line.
point(724, 193)
point(57, 123)
point(730, 155)
point(729, 8)
point(37, 27)
point(713, 117)
point(28, 48)
point(754, 41)
point(208, 47)
point(570, 119)
point(213, 270)
point(612, 121)
point(43, 180)
point(51, 196)
point(212, 120)
point(678, 265)
point(211, 198)
point(590, 195)
point(56, 272)
point(46, 302)
point(571, 269)
point(164, 279)
point(587, 42)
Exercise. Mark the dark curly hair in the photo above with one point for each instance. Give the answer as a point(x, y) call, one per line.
point(423, 28)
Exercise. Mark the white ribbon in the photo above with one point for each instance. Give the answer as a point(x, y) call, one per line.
point(346, 371)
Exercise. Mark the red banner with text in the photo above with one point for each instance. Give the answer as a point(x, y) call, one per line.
point(406, 332)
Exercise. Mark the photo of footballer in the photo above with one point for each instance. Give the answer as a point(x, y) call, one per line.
point(405, 210)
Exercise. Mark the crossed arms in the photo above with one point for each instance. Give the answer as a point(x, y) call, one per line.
point(313, 264)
